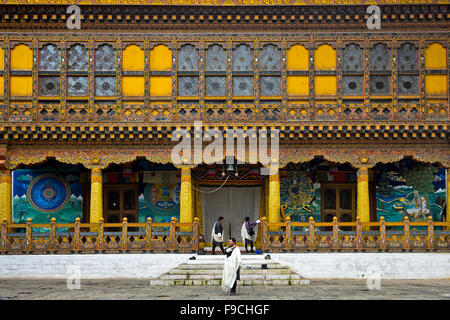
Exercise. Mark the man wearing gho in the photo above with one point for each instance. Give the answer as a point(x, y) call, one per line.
point(231, 268)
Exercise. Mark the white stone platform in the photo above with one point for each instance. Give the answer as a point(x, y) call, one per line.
point(89, 266)
point(150, 266)
point(363, 265)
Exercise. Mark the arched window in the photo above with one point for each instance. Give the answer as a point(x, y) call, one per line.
point(49, 58)
point(105, 58)
point(408, 70)
point(133, 65)
point(160, 74)
point(243, 71)
point(2, 70)
point(436, 73)
point(408, 57)
point(215, 71)
point(270, 58)
point(243, 58)
point(21, 79)
point(77, 71)
point(380, 57)
point(297, 65)
point(270, 70)
point(188, 71)
point(352, 69)
point(49, 66)
point(77, 58)
point(380, 66)
point(352, 56)
point(188, 58)
point(325, 58)
point(325, 85)
point(104, 68)
point(215, 58)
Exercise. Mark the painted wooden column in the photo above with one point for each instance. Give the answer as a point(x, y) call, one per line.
point(447, 218)
point(96, 197)
point(198, 206)
point(5, 195)
point(186, 213)
point(274, 196)
point(362, 201)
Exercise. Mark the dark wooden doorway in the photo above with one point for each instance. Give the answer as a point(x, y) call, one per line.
point(339, 200)
point(120, 201)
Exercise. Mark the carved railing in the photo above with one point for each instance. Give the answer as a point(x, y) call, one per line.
point(167, 237)
point(378, 236)
point(95, 238)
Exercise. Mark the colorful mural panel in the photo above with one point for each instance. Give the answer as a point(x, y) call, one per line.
point(410, 189)
point(159, 198)
point(300, 196)
point(45, 194)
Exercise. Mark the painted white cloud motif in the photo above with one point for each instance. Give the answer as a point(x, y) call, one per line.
point(25, 177)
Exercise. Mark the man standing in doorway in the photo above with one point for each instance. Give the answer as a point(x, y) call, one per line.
point(231, 268)
point(217, 235)
point(248, 234)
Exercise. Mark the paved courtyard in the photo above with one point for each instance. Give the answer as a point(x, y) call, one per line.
point(140, 289)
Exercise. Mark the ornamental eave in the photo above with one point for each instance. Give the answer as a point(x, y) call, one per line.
point(65, 133)
point(227, 3)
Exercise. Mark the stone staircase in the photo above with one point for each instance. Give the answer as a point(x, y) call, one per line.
point(207, 270)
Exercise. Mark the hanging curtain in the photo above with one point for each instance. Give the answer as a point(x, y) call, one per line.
point(232, 203)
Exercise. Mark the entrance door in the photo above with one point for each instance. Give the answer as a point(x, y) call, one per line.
point(339, 200)
point(120, 201)
point(232, 203)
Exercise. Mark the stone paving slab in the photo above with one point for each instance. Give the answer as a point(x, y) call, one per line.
point(131, 289)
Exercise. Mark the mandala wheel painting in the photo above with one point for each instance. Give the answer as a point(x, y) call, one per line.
point(48, 193)
point(301, 191)
point(162, 199)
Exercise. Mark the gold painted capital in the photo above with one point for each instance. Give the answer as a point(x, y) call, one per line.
point(363, 174)
point(5, 176)
point(274, 178)
point(186, 174)
point(96, 175)
point(3, 156)
point(185, 167)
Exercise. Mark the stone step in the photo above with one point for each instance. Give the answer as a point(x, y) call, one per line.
point(277, 282)
point(174, 277)
point(219, 276)
point(243, 251)
point(243, 257)
point(215, 265)
point(205, 277)
point(222, 259)
point(207, 270)
point(219, 271)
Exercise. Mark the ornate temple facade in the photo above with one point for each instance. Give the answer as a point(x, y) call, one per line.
point(88, 115)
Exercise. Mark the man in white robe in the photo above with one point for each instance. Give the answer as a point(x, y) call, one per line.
point(231, 268)
point(248, 233)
